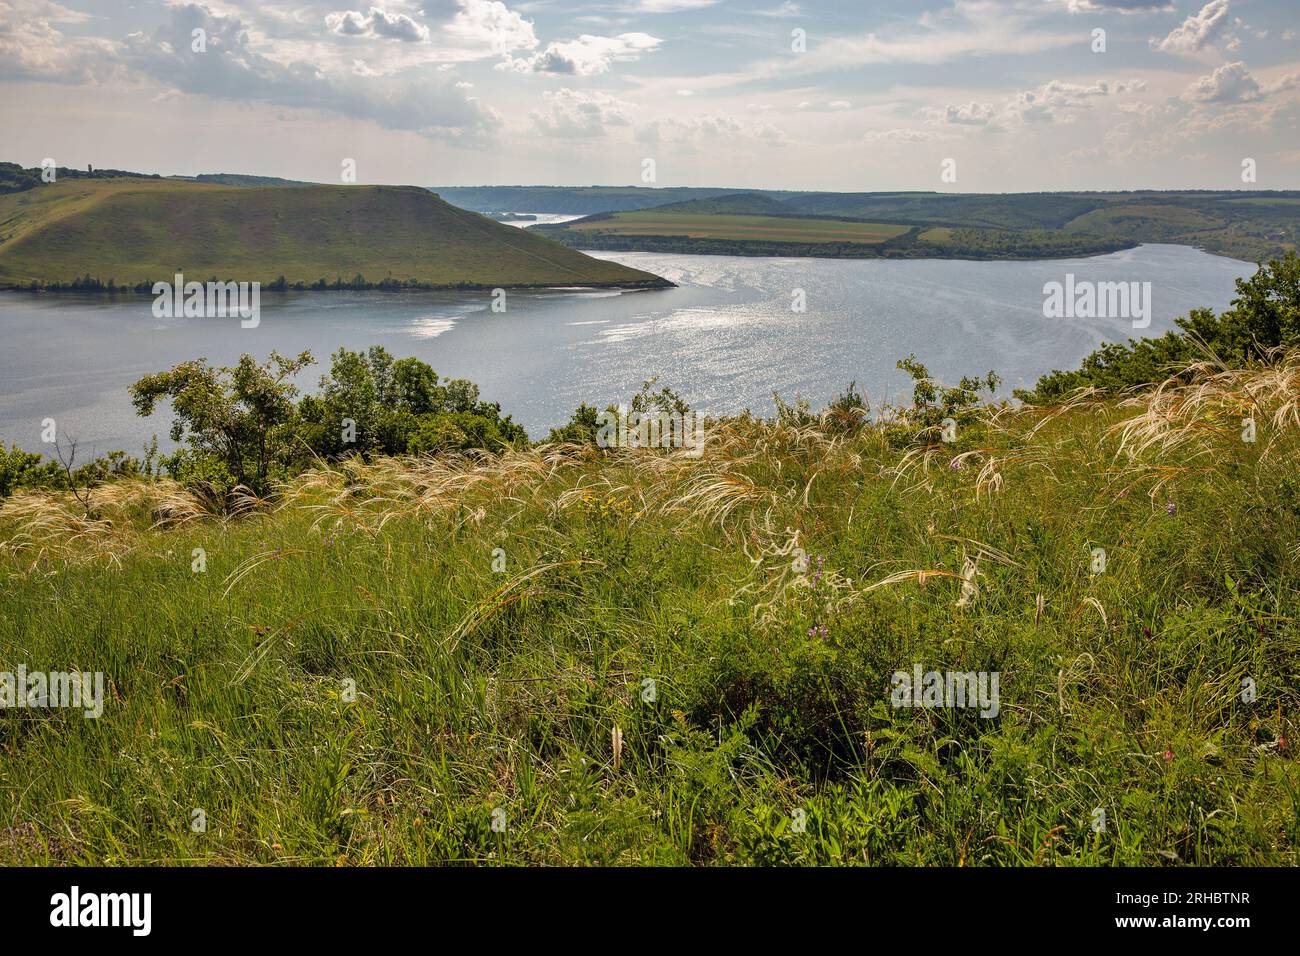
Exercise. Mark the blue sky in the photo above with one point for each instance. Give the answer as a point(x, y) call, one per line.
point(859, 95)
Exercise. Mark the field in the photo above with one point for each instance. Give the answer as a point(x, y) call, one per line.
point(570, 656)
point(742, 227)
point(140, 230)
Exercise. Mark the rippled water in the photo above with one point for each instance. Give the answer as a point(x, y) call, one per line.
point(726, 338)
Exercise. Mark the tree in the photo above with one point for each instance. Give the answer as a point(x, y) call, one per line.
point(235, 417)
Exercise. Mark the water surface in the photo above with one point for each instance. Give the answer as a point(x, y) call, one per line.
point(726, 338)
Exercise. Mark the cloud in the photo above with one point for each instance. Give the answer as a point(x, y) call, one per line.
point(31, 48)
point(576, 113)
point(691, 133)
point(586, 56)
point(667, 6)
point(972, 114)
point(977, 28)
point(901, 136)
point(231, 68)
point(786, 9)
point(1054, 102)
point(1233, 83)
point(1197, 31)
point(1119, 6)
point(1230, 83)
point(492, 25)
point(377, 23)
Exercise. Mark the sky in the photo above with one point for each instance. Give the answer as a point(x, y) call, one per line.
point(846, 95)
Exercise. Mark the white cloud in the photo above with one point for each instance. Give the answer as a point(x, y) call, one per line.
point(586, 56)
point(490, 24)
point(706, 130)
point(971, 114)
point(376, 23)
point(786, 9)
point(1197, 31)
point(1119, 6)
point(234, 68)
point(1230, 83)
point(901, 136)
point(667, 6)
point(577, 113)
point(31, 48)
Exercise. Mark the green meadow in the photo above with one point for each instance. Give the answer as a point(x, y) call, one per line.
point(569, 655)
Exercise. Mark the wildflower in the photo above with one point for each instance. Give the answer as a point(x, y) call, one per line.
point(1146, 632)
point(1171, 507)
point(817, 630)
point(955, 464)
point(1169, 755)
point(1281, 743)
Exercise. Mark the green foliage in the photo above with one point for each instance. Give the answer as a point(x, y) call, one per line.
point(934, 404)
point(238, 416)
point(582, 427)
point(244, 425)
point(399, 406)
point(22, 469)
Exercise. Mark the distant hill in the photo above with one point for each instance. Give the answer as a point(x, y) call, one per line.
point(1252, 225)
point(133, 231)
point(736, 204)
point(570, 200)
point(239, 179)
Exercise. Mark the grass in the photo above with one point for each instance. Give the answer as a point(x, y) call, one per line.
point(645, 679)
point(137, 230)
point(742, 227)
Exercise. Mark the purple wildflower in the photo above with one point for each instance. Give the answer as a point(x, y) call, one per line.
point(1171, 507)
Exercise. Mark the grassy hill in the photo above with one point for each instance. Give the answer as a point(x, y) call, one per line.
point(737, 204)
point(139, 230)
point(676, 656)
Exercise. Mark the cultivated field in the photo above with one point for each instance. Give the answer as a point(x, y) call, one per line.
point(742, 227)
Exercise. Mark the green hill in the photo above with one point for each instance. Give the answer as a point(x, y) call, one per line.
point(741, 204)
point(137, 230)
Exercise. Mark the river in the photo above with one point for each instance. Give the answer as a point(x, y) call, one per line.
point(726, 338)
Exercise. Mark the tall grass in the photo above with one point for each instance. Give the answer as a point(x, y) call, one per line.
point(643, 657)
